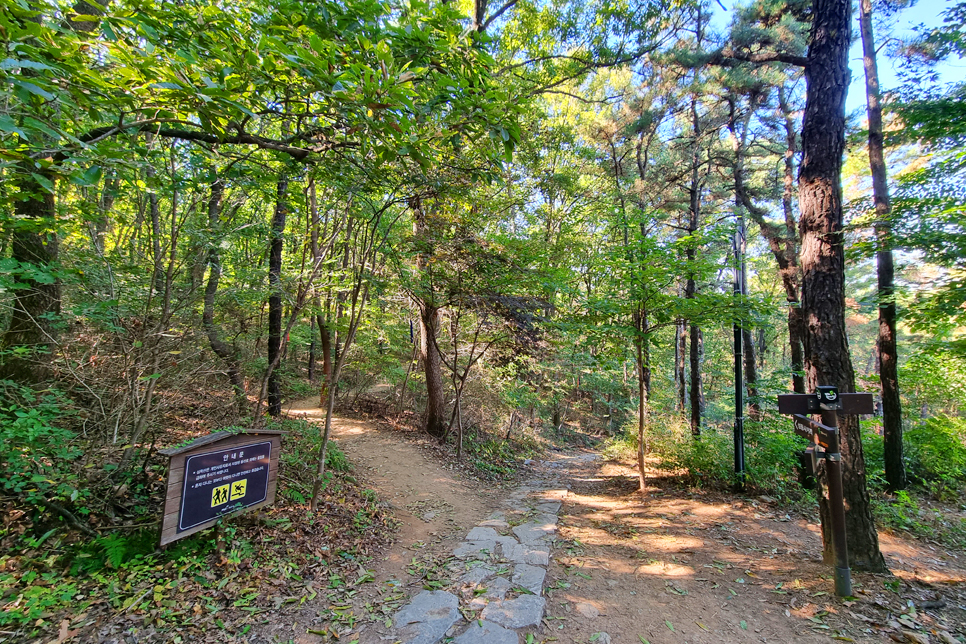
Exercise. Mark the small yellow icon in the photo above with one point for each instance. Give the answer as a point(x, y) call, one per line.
point(219, 495)
point(238, 489)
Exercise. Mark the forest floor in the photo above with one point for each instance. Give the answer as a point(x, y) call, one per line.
point(674, 565)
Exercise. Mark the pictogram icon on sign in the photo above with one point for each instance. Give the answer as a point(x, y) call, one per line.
point(219, 495)
point(238, 489)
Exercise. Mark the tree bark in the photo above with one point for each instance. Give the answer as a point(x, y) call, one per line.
point(696, 393)
point(36, 307)
point(751, 374)
point(435, 415)
point(643, 359)
point(680, 369)
point(221, 348)
point(435, 420)
point(275, 297)
point(782, 242)
point(827, 358)
point(796, 322)
point(895, 471)
point(690, 288)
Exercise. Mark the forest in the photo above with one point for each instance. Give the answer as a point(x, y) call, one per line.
point(505, 226)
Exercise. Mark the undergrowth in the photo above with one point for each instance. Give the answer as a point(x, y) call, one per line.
point(935, 457)
point(192, 585)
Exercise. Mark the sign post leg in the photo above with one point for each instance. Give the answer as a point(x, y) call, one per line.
point(843, 576)
point(836, 500)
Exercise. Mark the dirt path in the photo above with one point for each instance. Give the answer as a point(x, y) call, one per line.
point(433, 506)
point(681, 565)
point(673, 566)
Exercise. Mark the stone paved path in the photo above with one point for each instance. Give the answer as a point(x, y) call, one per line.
point(497, 576)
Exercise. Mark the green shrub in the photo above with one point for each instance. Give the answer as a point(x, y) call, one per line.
point(936, 449)
point(36, 451)
point(770, 451)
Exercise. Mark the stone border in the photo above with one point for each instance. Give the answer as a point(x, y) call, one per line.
point(499, 574)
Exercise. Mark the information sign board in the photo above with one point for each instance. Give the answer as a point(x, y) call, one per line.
point(224, 481)
point(215, 475)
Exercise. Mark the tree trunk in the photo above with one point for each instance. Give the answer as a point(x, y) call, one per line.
point(643, 360)
point(221, 348)
point(782, 242)
point(680, 370)
point(895, 471)
point(157, 278)
point(435, 420)
point(33, 322)
point(827, 358)
point(275, 297)
point(691, 289)
point(751, 374)
point(697, 388)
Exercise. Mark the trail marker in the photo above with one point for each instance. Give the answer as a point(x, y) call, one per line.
point(828, 402)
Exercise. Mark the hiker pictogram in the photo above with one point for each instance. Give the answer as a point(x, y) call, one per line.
point(219, 495)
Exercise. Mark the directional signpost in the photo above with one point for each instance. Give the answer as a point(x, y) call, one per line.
point(828, 402)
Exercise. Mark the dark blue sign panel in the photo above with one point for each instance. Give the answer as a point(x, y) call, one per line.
point(220, 482)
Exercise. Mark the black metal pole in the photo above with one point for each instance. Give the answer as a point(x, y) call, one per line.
point(739, 430)
point(833, 467)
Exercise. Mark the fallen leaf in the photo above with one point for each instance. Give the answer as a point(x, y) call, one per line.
point(65, 632)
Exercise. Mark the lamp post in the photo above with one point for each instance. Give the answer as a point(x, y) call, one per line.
point(738, 293)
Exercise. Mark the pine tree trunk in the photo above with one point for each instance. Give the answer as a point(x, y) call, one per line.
point(827, 358)
point(696, 392)
point(643, 360)
point(275, 297)
point(796, 323)
point(895, 471)
point(691, 288)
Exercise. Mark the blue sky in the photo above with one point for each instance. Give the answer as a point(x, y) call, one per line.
point(924, 12)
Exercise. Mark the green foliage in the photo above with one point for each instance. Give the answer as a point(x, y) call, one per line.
point(770, 452)
point(36, 452)
point(936, 450)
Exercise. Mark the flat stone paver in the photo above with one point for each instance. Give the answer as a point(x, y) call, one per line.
point(475, 549)
point(529, 577)
point(534, 532)
point(529, 554)
point(524, 611)
point(496, 589)
point(427, 617)
point(487, 633)
point(482, 534)
point(492, 575)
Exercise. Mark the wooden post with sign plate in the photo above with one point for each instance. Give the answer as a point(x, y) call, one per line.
point(828, 402)
point(217, 475)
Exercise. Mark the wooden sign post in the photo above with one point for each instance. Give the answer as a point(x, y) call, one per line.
point(825, 438)
point(217, 475)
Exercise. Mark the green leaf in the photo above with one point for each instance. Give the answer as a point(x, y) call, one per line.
point(8, 125)
point(34, 89)
point(669, 625)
